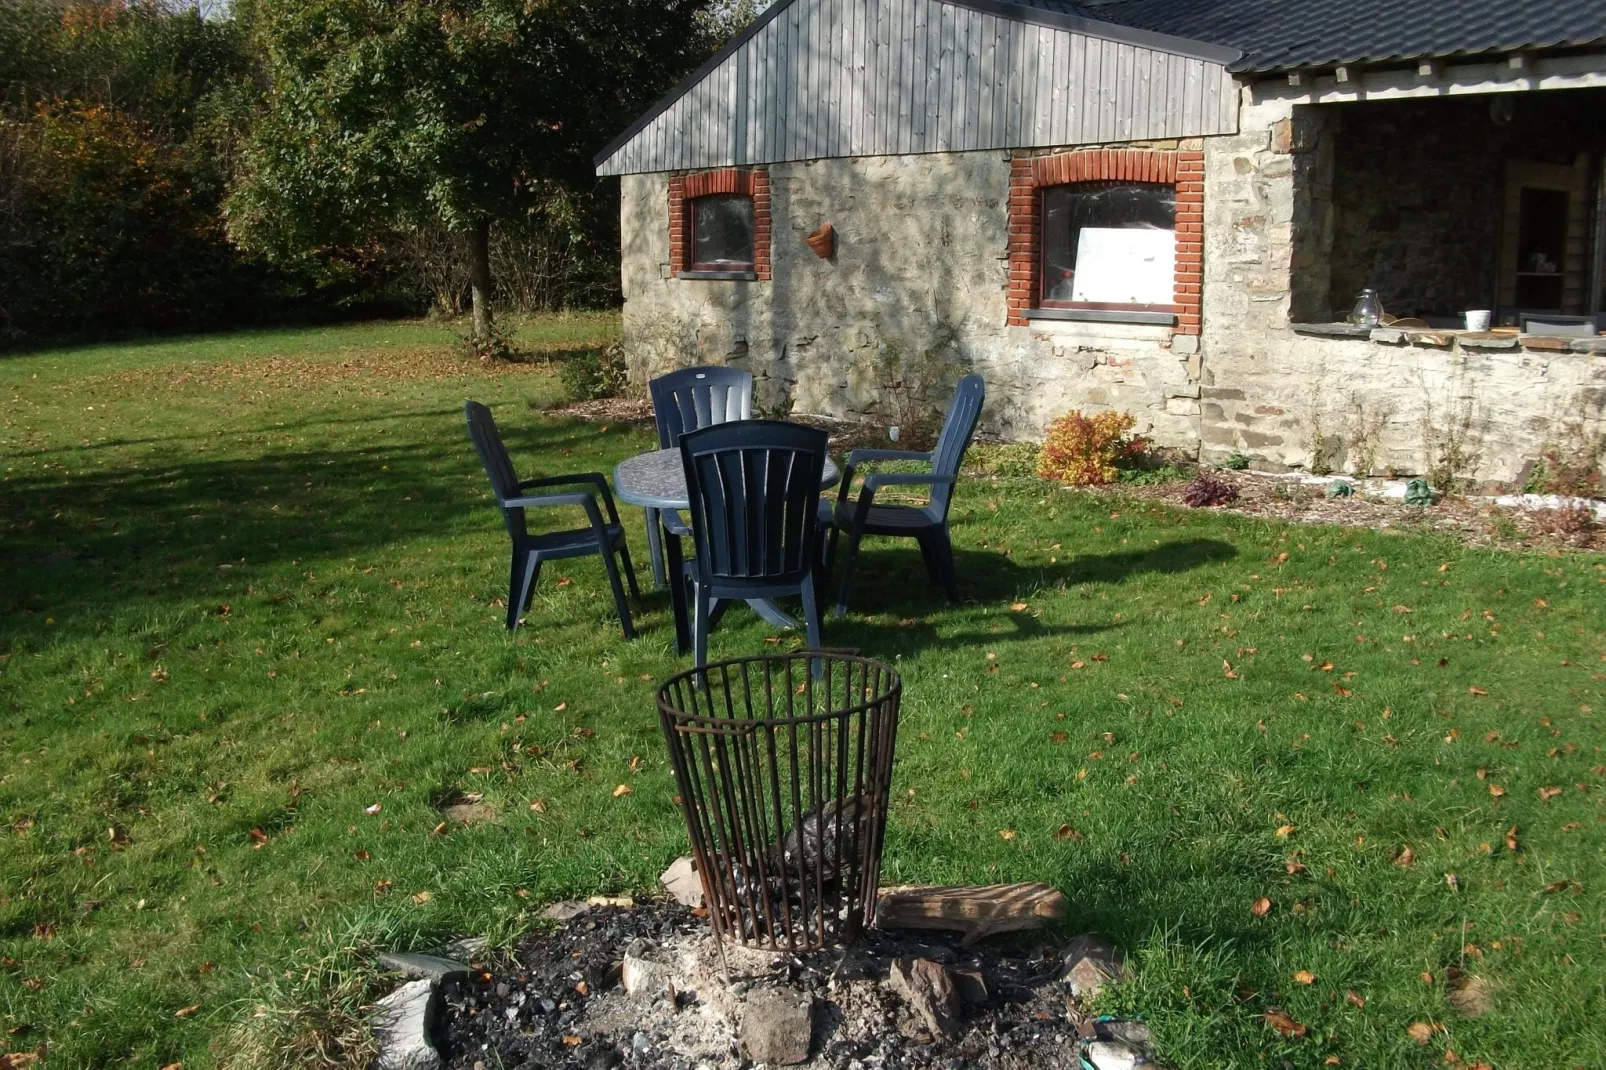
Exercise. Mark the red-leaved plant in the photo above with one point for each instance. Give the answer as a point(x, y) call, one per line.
point(1088, 450)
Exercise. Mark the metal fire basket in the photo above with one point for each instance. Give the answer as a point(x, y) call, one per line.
point(784, 765)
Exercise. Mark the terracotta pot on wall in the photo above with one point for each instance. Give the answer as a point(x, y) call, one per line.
point(823, 241)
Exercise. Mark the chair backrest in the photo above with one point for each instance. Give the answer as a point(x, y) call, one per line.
point(691, 398)
point(498, 465)
point(957, 429)
point(754, 487)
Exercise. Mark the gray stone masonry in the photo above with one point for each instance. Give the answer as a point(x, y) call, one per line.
point(919, 274)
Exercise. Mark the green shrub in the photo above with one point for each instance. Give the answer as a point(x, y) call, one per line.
point(1006, 460)
point(595, 373)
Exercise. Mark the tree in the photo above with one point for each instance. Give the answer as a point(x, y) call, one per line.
point(399, 113)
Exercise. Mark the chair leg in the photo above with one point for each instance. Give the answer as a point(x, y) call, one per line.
point(700, 625)
point(942, 548)
point(654, 548)
point(928, 554)
point(811, 621)
point(830, 549)
point(630, 568)
point(619, 602)
point(677, 595)
point(522, 574)
point(846, 583)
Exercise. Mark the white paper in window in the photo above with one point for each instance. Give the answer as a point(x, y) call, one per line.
point(1126, 266)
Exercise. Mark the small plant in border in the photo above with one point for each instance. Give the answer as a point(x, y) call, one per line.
point(1087, 450)
point(1236, 463)
point(1207, 490)
point(595, 373)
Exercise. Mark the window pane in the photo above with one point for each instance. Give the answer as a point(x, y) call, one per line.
point(1117, 269)
point(722, 232)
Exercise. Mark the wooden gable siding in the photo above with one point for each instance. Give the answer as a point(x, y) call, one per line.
point(885, 77)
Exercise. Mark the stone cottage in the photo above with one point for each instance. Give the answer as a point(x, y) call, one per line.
point(1166, 207)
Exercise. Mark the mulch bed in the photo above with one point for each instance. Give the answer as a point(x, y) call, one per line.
point(559, 1003)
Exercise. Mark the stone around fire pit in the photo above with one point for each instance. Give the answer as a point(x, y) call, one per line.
point(1090, 964)
point(401, 1024)
point(680, 880)
point(928, 990)
point(777, 1027)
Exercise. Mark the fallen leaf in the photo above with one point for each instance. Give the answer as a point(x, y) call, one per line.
point(1405, 856)
point(1261, 908)
point(1284, 831)
point(1066, 832)
point(622, 789)
point(1476, 691)
point(1354, 999)
point(185, 1012)
point(1006, 834)
point(422, 897)
point(259, 839)
point(1017, 607)
point(438, 830)
point(1284, 1024)
point(539, 806)
point(1511, 838)
point(1548, 793)
point(1421, 1032)
point(571, 1040)
point(1496, 790)
point(372, 810)
point(560, 707)
point(1304, 977)
point(362, 856)
point(1327, 666)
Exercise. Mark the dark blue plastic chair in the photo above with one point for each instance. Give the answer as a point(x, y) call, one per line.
point(755, 491)
point(531, 551)
point(682, 401)
point(926, 523)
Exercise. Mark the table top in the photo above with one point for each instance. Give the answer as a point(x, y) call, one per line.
point(656, 480)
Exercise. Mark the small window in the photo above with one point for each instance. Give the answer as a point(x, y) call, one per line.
point(1109, 243)
point(722, 233)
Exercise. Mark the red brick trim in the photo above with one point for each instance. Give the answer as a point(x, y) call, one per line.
point(754, 183)
point(1183, 169)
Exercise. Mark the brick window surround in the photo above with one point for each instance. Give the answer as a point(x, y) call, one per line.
point(683, 189)
point(1029, 173)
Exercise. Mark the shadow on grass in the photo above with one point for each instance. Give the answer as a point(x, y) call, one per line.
point(89, 545)
point(895, 609)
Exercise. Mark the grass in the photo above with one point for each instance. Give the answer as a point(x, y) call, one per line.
point(248, 593)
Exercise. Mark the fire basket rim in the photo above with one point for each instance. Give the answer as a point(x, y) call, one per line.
point(893, 686)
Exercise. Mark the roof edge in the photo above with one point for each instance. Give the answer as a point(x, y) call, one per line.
point(1110, 31)
point(1379, 60)
point(690, 80)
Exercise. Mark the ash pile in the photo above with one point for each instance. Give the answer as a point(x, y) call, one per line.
point(647, 986)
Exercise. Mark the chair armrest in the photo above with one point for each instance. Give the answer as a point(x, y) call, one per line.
point(584, 499)
point(876, 480)
point(593, 479)
point(858, 457)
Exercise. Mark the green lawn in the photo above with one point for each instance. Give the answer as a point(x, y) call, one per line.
point(249, 592)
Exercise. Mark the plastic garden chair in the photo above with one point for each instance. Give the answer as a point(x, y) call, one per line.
point(682, 401)
point(530, 552)
point(926, 523)
point(754, 488)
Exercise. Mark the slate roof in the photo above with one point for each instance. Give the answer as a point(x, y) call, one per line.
point(1284, 34)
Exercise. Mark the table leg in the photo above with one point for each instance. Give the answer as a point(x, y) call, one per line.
point(677, 594)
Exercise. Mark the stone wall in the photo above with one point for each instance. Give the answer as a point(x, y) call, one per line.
point(919, 278)
point(1289, 400)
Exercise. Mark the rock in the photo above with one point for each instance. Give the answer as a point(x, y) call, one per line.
point(465, 948)
point(1090, 964)
point(1126, 1030)
point(777, 1027)
point(622, 901)
point(681, 881)
point(928, 990)
point(567, 910)
point(422, 967)
point(401, 1024)
point(643, 977)
point(972, 986)
point(1114, 1055)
